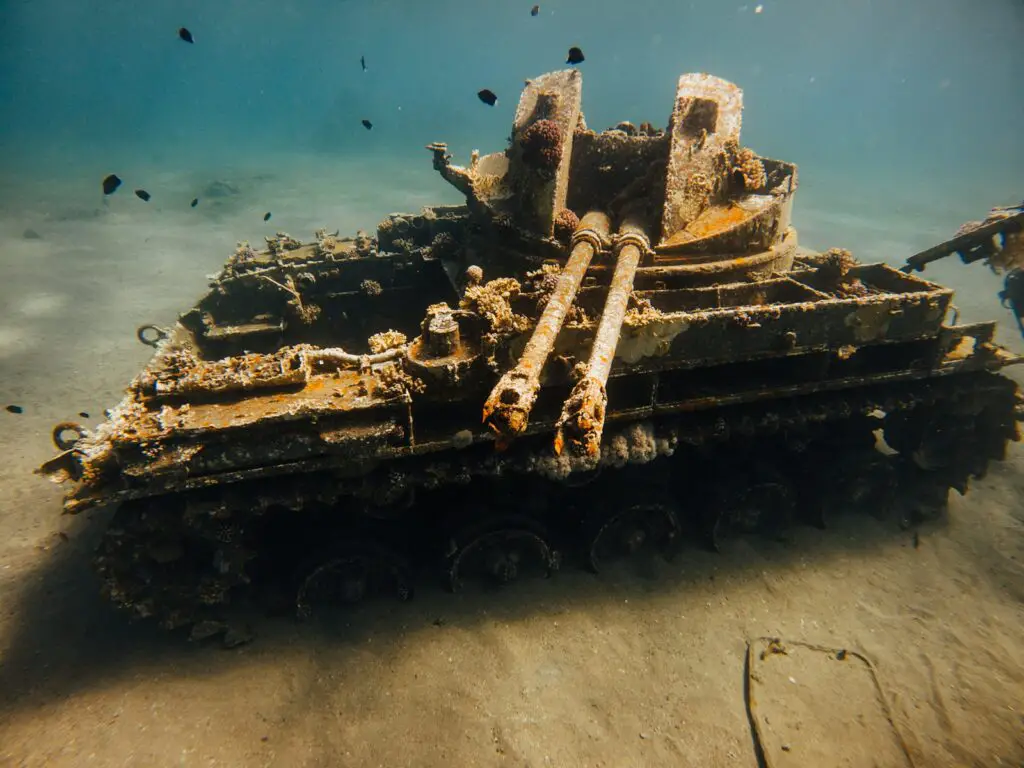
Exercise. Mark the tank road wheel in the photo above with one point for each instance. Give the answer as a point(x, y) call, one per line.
point(388, 496)
point(151, 563)
point(498, 551)
point(867, 481)
point(762, 502)
point(946, 445)
point(935, 442)
point(584, 478)
point(627, 530)
point(347, 574)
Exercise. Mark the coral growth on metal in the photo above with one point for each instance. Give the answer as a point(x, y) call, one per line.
point(592, 282)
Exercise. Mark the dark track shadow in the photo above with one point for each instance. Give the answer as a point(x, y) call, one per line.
point(65, 638)
point(63, 634)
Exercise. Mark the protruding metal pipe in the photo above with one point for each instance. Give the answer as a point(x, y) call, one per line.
point(507, 409)
point(582, 420)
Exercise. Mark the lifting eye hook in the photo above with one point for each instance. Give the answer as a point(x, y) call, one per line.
point(67, 443)
point(159, 334)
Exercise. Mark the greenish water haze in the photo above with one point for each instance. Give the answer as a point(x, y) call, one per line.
point(913, 93)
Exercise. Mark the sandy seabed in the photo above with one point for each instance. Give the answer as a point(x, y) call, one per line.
point(623, 669)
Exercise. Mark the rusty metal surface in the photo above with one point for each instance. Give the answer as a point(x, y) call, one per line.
point(724, 220)
point(582, 421)
point(85, 497)
point(707, 113)
point(793, 317)
point(555, 99)
point(507, 408)
point(608, 331)
point(529, 183)
point(720, 198)
point(614, 169)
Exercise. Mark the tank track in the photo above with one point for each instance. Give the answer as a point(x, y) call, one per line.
point(473, 515)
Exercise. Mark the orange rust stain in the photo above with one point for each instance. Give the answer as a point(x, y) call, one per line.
point(319, 392)
point(316, 386)
point(714, 221)
point(717, 220)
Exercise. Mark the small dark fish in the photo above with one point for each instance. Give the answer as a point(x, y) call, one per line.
point(194, 203)
point(266, 216)
point(110, 184)
point(488, 97)
point(917, 540)
point(362, 60)
point(535, 10)
point(142, 194)
point(575, 56)
point(15, 409)
point(185, 35)
point(367, 124)
point(63, 536)
point(83, 414)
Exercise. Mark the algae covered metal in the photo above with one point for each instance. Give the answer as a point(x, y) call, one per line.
point(614, 342)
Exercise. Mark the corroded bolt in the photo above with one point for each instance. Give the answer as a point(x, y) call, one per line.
point(442, 334)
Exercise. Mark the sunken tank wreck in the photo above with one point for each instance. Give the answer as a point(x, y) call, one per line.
point(614, 345)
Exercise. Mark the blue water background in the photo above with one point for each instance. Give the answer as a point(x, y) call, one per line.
point(912, 93)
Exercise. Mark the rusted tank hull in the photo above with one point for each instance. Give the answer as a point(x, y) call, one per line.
point(190, 422)
point(255, 471)
point(756, 466)
point(482, 390)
